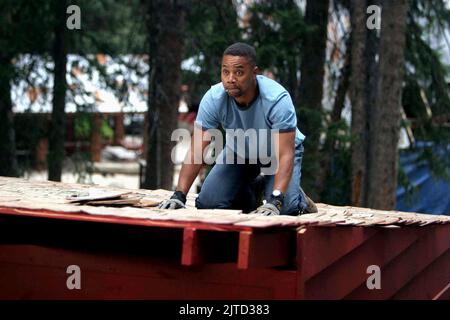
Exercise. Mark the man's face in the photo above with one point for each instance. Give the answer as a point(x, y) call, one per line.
point(238, 75)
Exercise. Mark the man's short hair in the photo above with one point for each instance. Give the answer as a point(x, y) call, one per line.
point(241, 49)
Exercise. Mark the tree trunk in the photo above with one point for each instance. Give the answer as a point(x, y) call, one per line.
point(357, 96)
point(311, 88)
point(372, 71)
point(8, 161)
point(338, 105)
point(385, 120)
point(57, 132)
point(165, 26)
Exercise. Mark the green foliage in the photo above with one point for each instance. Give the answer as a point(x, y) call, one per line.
point(30, 129)
point(82, 166)
point(36, 128)
point(211, 26)
point(311, 162)
point(24, 25)
point(277, 30)
point(425, 95)
point(82, 125)
point(338, 181)
point(110, 27)
point(106, 131)
point(425, 71)
point(411, 190)
point(438, 160)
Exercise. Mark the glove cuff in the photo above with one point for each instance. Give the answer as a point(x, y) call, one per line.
point(179, 196)
point(277, 201)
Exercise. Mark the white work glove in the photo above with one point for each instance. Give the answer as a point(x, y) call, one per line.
point(272, 206)
point(176, 201)
point(267, 209)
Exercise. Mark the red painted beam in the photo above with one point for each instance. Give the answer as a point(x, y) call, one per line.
point(35, 272)
point(118, 220)
point(325, 245)
point(265, 249)
point(191, 254)
point(433, 242)
point(348, 273)
point(204, 246)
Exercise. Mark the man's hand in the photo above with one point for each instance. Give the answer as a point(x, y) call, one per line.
point(267, 209)
point(272, 206)
point(176, 201)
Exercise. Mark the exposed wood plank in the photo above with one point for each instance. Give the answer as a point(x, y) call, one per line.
point(324, 246)
point(348, 273)
point(203, 246)
point(18, 196)
point(405, 268)
point(265, 249)
point(119, 220)
point(191, 254)
point(36, 272)
point(430, 282)
point(208, 246)
point(444, 294)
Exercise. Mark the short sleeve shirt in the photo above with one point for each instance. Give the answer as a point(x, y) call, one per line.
point(249, 130)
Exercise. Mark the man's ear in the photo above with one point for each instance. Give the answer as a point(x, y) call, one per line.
point(255, 70)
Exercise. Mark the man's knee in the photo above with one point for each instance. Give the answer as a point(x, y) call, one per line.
point(206, 200)
point(293, 206)
point(290, 210)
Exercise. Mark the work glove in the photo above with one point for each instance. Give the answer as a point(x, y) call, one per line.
point(176, 201)
point(272, 207)
point(267, 209)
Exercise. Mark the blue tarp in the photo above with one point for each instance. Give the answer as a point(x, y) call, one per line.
point(433, 194)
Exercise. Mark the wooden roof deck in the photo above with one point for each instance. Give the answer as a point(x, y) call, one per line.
point(321, 256)
point(84, 202)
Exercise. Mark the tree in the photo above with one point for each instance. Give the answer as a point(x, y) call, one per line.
point(114, 32)
point(165, 27)
point(211, 26)
point(359, 123)
point(8, 162)
point(376, 104)
point(311, 89)
point(57, 136)
point(17, 18)
point(425, 96)
point(386, 116)
point(327, 180)
point(277, 30)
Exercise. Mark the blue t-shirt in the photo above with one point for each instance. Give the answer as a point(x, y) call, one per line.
point(272, 110)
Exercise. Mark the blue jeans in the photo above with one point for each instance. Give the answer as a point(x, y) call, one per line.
point(229, 186)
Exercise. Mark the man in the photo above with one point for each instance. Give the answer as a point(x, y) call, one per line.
point(242, 102)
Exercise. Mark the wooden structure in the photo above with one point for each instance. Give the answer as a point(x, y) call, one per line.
point(93, 144)
point(135, 251)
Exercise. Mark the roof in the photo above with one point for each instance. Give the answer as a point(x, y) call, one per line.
point(52, 199)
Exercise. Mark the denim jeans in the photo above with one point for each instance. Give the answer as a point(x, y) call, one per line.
point(228, 186)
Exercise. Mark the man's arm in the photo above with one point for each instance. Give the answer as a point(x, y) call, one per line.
point(286, 147)
point(189, 170)
point(194, 159)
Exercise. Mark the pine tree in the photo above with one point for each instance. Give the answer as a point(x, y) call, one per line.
point(165, 30)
